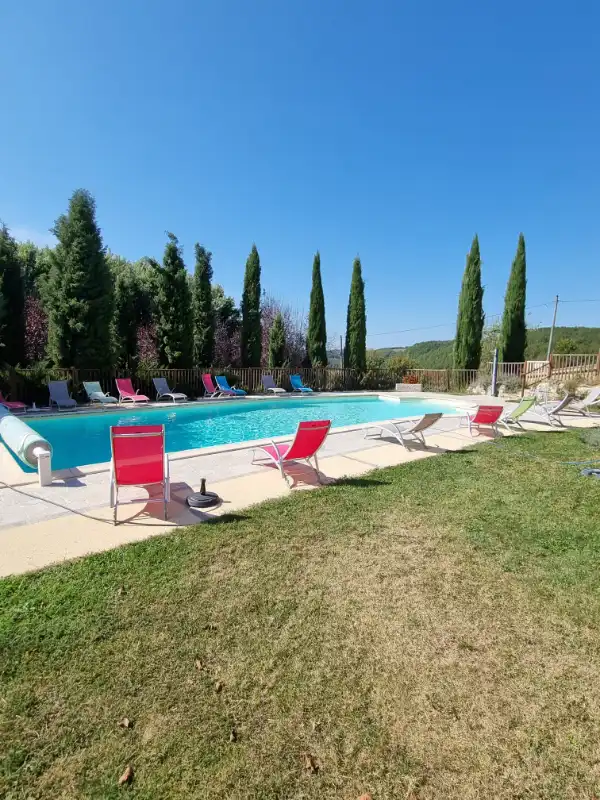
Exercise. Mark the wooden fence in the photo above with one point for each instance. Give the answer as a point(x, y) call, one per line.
point(29, 385)
point(583, 367)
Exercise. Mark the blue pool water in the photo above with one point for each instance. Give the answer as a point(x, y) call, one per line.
point(80, 439)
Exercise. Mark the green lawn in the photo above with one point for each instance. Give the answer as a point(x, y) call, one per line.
point(429, 631)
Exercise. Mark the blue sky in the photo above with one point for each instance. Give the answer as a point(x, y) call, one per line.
point(395, 130)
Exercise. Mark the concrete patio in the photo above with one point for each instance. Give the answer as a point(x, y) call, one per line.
point(42, 526)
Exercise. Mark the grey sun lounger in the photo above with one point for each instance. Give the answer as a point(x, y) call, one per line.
point(96, 395)
point(162, 390)
point(271, 386)
point(551, 411)
point(400, 429)
point(59, 395)
point(583, 406)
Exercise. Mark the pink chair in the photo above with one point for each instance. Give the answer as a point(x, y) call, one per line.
point(485, 415)
point(307, 441)
point(127, 393)
point(211, 390)
point(139, 458)
point(12, 405)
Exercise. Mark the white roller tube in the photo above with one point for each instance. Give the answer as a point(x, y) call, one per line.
point(27, 445)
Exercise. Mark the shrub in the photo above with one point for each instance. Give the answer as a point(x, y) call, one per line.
point(511, 385)
point(373, 379)
point(31, 384)
point(571, 385)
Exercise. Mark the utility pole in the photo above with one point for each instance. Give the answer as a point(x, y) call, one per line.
point(552, 329)
point(495, 374)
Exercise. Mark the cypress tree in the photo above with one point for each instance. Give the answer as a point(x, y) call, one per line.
point(251, 332)
point(513, 337)
point(355, 352)
point(277, 342)
point(125, 321)
point(174, 324)
point(469, 324)
point(316, 341)
point(13, 336)
point(204, 332)
point(80, 300)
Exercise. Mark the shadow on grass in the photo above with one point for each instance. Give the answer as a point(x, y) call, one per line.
point(225, 519)
point(362, 483)
point(410, 446)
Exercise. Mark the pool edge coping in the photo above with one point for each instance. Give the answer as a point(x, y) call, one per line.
point(27, 478)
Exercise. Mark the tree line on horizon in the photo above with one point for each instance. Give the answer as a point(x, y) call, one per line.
point(79, 305)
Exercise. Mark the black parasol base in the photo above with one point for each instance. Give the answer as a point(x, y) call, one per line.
point(203, 499)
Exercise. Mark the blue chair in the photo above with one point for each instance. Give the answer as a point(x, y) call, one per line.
point(297, 385)
point(224, 386)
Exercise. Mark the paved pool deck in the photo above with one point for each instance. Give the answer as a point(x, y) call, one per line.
point(71, 518)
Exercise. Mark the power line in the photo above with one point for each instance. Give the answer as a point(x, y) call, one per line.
point(580, 301)
point(448, 324)
point(410, 330)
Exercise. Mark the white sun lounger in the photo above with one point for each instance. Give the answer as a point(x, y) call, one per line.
point(412, 429)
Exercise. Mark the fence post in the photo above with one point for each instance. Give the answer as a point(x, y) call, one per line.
point(550, 366)
point(12, 384)
point(448, 377)
point(74, 376)
point(524, 379)
point(598, 364)
point(495, 373)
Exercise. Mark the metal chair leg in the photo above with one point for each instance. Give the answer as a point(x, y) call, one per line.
point(317, 468)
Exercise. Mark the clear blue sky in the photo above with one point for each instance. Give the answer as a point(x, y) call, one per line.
point(395, 130)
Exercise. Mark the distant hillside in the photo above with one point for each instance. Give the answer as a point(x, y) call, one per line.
point(438, 354)
point(430, 355)
point(583, 340)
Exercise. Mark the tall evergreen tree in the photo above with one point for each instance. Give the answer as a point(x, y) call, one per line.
point(13, 337)
point(469, 324)
point(204, 331)
point(251, 331)
point(355, 352)
point(513, 337)
point(125, 321)
point(277, 343)
point(316, 341)
point(174, 324)
point(79, 296)
point(227, 327)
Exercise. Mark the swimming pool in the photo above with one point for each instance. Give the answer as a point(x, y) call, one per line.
point(79, 439)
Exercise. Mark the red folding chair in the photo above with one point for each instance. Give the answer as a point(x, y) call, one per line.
point(139, 458)
point(307, 441)
point(487, 416)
